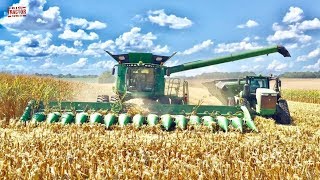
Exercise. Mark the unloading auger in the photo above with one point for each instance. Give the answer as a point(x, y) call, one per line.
point(142, 75)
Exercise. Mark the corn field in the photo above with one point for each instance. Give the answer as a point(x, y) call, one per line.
point(309, 96)
point(17, 90)
point(76, 152)
point(56, 151)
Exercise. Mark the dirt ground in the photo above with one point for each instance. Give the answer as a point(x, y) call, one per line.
point(89, 92)
point(197, 91)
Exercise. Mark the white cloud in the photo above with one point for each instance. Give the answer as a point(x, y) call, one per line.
point(259, 59)
point(49, 64)
point(313, 54)
point(160, 49)
point(291, 46)
point(309, 24)
point(249, 24)
point(62, 50)
point(36, 19)
point(277, 66)
point(37, 45)
point(198, 47)
point(78, 35)
point(198, 71)
point(77, 43)
point(109, 45)
point(276, 27)
point(96, 25)
point(139, 18)
point(171, 63)
point(103, 65)
point(245, 68)
point(97, 49)
point(161, 18)
point(85, 24)
point(18, 60)
point(281, 35)
point(246, 39)
point(313, 67)
point(134, 40)
point(29, 45)
point(82, 62)
point(16, 68)
point(4, 43)
point(237, 46)
point(294, 15)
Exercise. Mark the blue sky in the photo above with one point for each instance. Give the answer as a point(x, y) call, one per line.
point(69, 36)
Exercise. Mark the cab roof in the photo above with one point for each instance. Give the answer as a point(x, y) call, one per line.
point(134, 57)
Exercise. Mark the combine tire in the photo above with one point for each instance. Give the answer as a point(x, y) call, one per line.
point(103, 98)
point(114, 98)
point(164, 100)
point(282, 115)
point(177, 101)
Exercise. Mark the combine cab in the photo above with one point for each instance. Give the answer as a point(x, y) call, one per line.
point(142, 75)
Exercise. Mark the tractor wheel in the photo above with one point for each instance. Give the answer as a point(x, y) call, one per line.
point(282, 115)
point(103, 98)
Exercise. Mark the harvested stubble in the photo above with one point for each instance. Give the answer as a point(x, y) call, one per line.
point(17, 90)
point(56, 151)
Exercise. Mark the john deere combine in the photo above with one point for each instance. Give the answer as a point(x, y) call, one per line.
point(142, 75)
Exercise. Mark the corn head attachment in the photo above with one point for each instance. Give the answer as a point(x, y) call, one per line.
point(169, 117)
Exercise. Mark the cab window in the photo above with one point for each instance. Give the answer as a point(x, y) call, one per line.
point(140, 79)
point(258, 83)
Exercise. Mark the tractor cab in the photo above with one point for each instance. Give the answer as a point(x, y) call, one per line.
point(256, 82)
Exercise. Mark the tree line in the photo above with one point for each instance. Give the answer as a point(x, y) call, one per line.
point(307, 74)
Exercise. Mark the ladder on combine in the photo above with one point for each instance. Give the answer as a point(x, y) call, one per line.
point(174, 86)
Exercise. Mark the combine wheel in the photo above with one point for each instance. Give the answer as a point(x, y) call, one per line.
point(114, 98)
point(282, 115)
point(164, 100)
point(177, 101)
point(103, 98)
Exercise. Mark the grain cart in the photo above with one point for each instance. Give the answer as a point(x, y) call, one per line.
point(142, 75)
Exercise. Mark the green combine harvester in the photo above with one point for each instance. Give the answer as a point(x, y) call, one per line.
point(142, 75)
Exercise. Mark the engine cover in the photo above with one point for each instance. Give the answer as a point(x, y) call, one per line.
point(266, 101)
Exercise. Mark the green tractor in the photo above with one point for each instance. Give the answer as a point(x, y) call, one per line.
point(255, 93)
point(142, 75)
